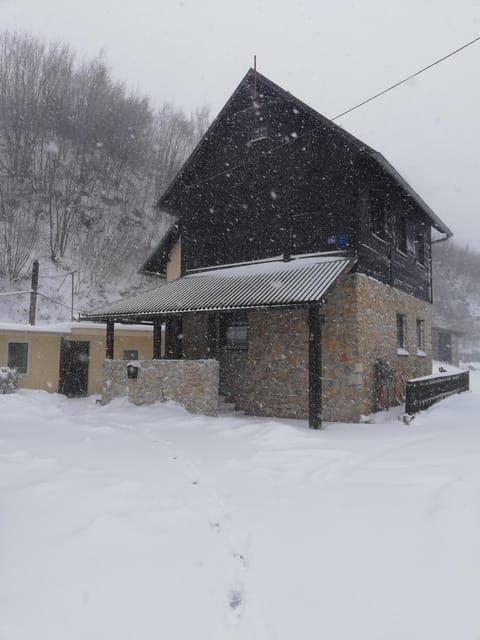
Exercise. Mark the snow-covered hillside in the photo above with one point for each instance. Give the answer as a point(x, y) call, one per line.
point(147, 522)
point(54, 302)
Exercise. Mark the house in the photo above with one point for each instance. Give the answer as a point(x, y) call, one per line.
point(67, 357)
point(446, 343)
point(299, 260)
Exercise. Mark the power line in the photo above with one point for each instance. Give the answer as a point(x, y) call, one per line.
point(354, 108)
point(413, 75)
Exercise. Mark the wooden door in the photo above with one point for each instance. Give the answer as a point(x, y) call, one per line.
point(74, 358)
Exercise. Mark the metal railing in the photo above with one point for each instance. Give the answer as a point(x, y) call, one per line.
point(422, 393)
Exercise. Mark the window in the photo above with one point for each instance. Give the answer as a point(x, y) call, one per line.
point(420, 335)
point(258, 133)
point(378, 220)
point(130, 354)
point(420, 247)
point(405, 236)
point(410, 237)
point(18, 356)
point(401, 331)
point(235, 331)
point(402, 235)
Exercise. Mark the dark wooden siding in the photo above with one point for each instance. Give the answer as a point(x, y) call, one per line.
point(244, 197)
point(246, 200)
point(380, 258)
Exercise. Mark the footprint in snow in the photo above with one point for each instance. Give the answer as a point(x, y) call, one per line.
point(235, 599)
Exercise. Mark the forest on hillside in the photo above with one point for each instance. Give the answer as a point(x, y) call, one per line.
point(82, 162)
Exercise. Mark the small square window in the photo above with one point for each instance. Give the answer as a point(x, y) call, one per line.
point(130, 354)
point(18, 356)
point(258, 133)
point(235, 331)
point(421, 334)
point(401, 331)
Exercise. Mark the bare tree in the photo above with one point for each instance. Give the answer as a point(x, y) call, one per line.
point(82, 160)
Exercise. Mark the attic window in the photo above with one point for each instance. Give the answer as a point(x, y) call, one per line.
point(258, 133)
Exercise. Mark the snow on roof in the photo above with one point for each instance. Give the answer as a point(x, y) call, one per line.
point(68, 327)
point(277, 265)
point(247, 287)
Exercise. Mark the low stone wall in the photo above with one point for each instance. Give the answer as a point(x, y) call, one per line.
point(192, 383)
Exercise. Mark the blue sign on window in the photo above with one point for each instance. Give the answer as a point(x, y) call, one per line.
point(342, 241)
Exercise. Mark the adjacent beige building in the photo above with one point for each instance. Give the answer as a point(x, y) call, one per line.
point(68, 357)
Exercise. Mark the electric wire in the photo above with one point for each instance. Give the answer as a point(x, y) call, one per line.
point(340, 115)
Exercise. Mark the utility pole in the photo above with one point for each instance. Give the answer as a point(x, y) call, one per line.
point(33, 294)
point(73, 293)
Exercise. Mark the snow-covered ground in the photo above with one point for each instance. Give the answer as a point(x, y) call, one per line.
point(125, 522)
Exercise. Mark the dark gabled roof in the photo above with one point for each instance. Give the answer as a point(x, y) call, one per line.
point(253, 286)
point(385, 164)
point(323, 122)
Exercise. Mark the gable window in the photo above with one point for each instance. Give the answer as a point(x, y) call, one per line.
point(421, 334)
point(235, 331)
point(18, 356)
point(401, 331)
point(258, 133)
point(130, 354)
point(378, 218)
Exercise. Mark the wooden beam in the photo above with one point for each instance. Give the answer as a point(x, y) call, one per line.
point(110, 341)
point(314, 367)
point(157, 339)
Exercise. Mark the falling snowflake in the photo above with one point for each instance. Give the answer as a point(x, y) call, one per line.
point(52, 147)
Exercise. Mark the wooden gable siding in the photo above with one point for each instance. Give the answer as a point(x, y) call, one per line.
point(242, 197)
point(287, 200)
point(379, 258)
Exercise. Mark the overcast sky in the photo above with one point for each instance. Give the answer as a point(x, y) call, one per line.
point(329, 53)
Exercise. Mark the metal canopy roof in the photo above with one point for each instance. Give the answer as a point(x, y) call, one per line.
point(246, 287)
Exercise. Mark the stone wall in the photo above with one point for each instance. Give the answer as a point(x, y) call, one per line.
point(192, 383)
point(359, 327)
point(271, 377)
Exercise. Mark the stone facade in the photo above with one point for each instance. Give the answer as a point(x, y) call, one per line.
point(270, 378)
point(192, 383)
point(359, 328)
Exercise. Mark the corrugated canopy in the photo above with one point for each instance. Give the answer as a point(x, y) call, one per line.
point(251, 286)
